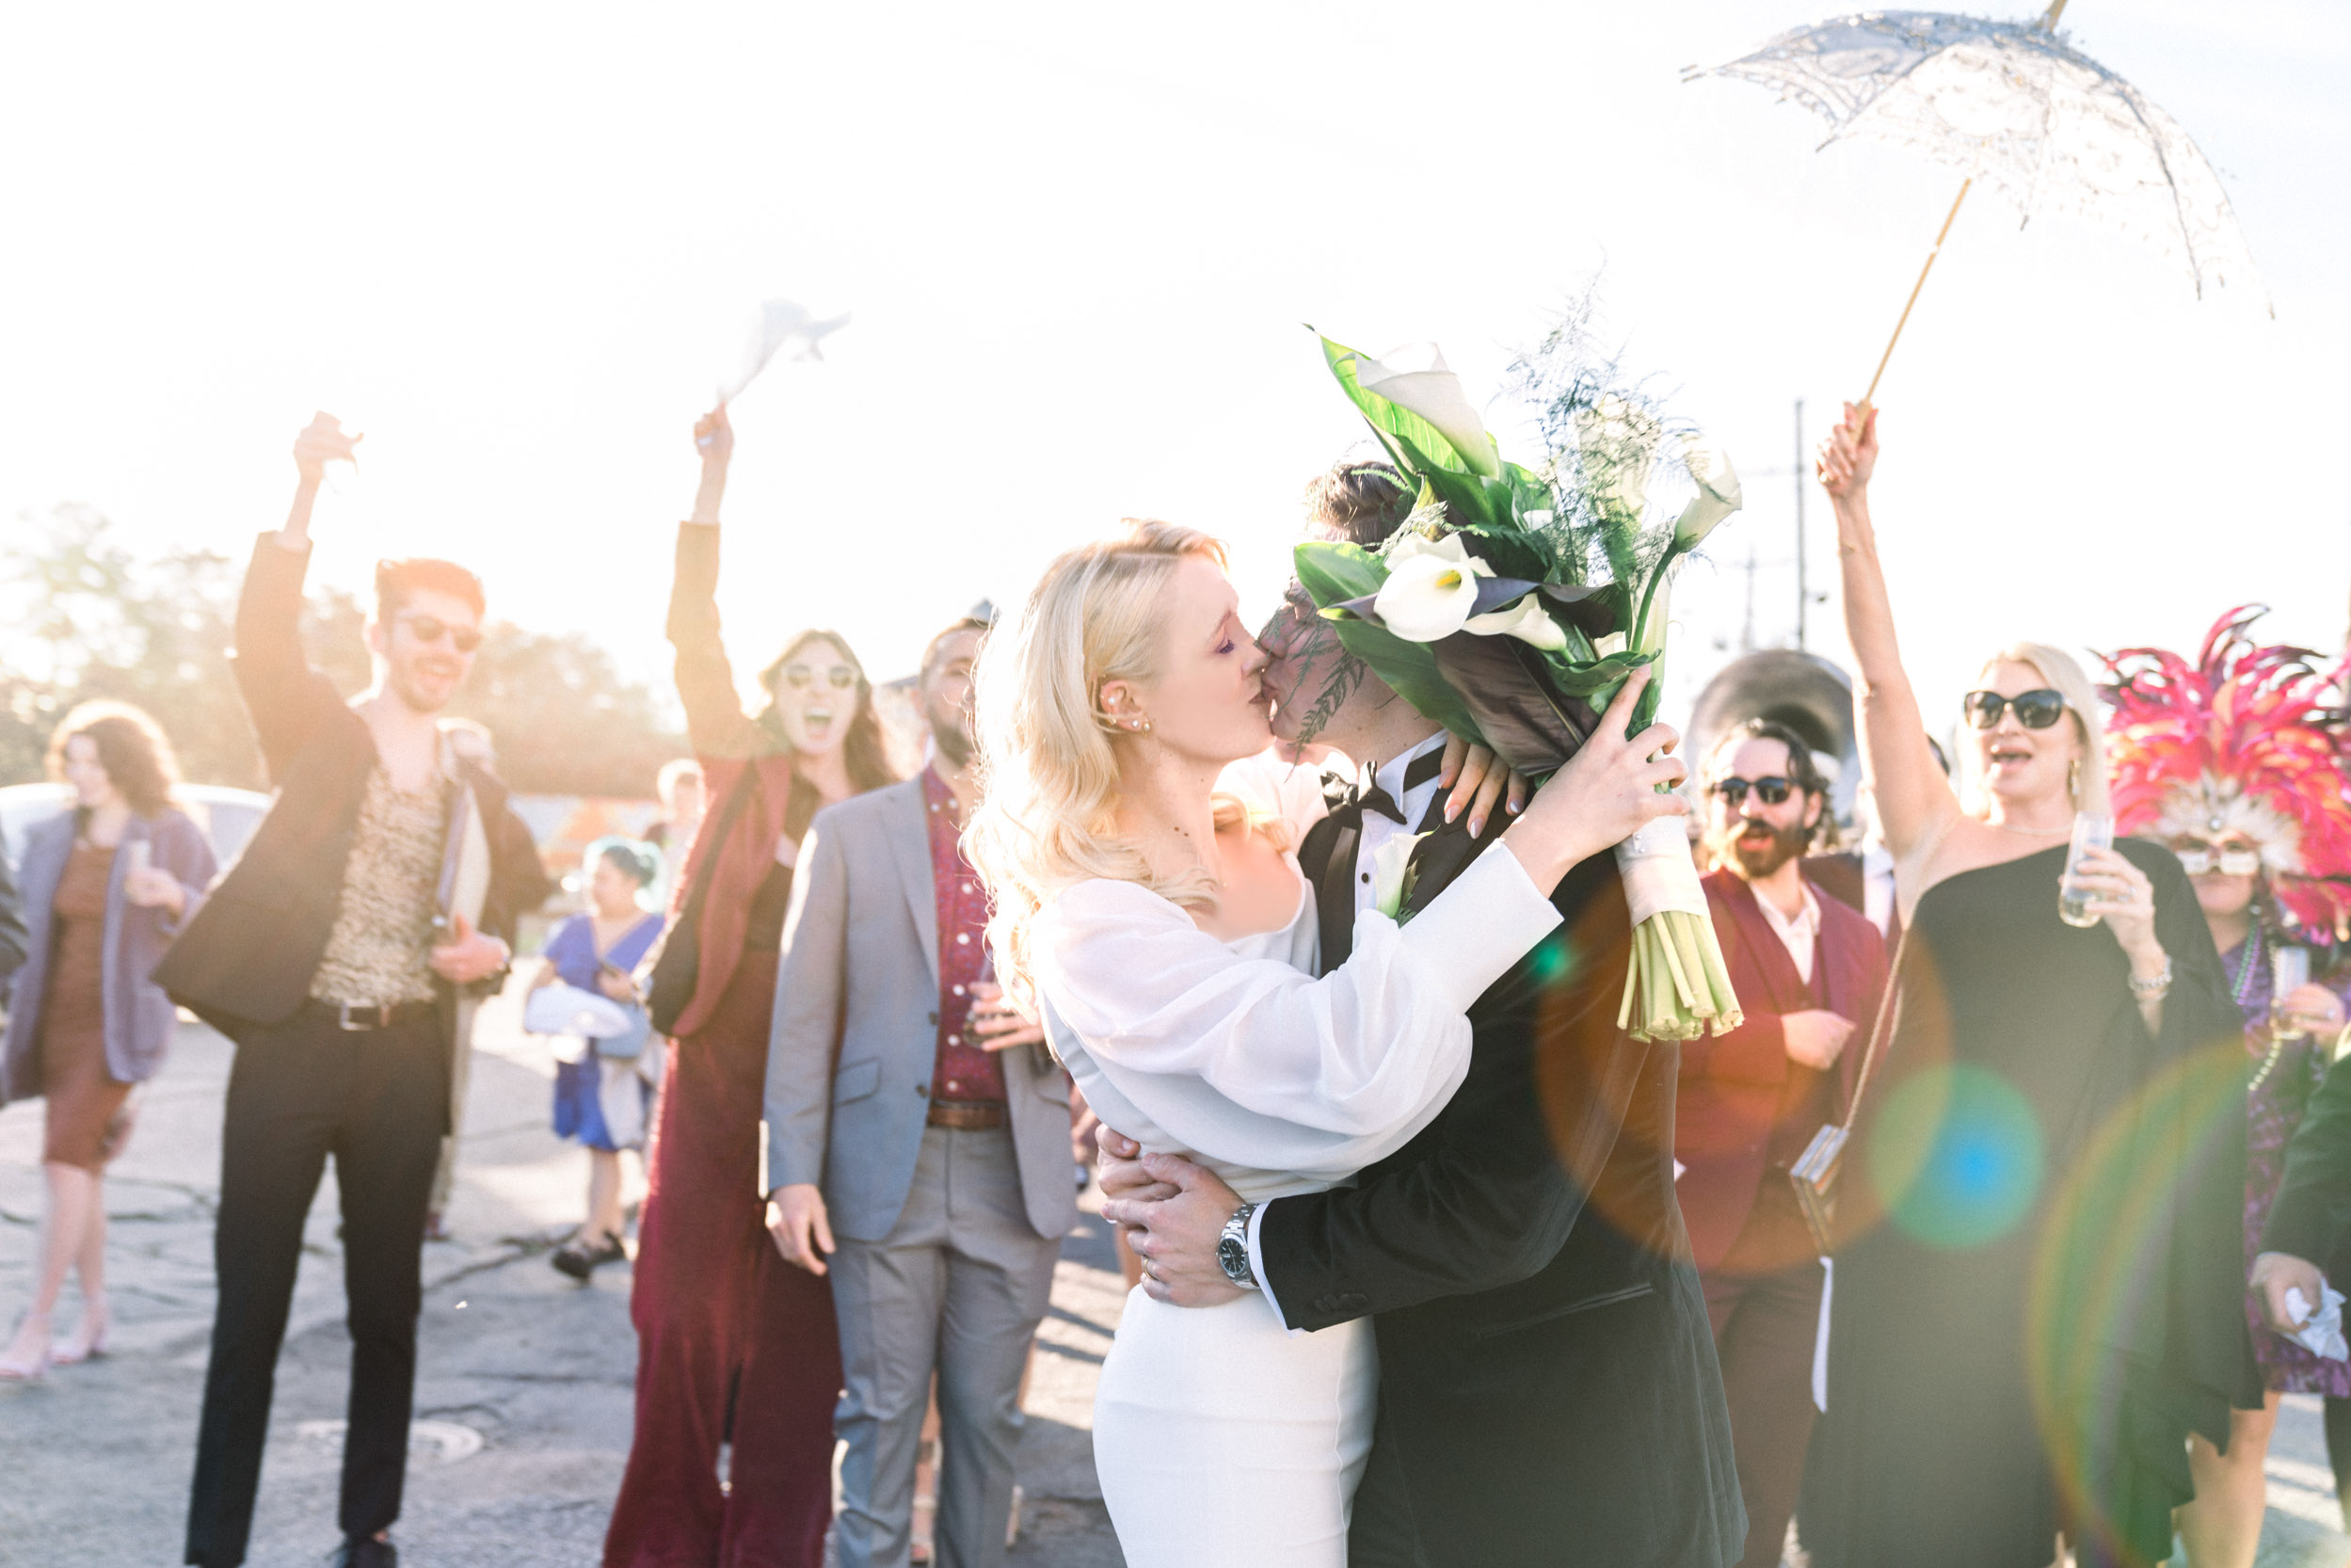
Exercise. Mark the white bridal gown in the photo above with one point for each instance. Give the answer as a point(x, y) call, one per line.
point(1221, 1437)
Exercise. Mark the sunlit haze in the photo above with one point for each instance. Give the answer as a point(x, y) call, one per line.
point(516, 245)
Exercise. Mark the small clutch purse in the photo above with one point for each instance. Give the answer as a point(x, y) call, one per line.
point(1814, 1172)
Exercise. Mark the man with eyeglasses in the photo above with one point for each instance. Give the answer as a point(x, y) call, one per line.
point(382, 888)
point(1808, 971)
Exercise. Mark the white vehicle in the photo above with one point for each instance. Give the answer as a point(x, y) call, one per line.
point(228, 816)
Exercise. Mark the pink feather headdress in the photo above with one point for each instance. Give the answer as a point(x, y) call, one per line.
point(2247, 739)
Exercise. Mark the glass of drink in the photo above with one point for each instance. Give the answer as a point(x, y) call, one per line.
point(2289, 971)
point(137, 856)
point(2091, 830)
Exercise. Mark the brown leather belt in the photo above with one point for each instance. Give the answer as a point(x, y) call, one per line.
point(971, 1116)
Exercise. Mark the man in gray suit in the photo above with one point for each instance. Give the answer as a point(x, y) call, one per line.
point(911, 1112)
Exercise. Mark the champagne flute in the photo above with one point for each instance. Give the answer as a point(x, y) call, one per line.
point(2289, 971)
point(2091, 830)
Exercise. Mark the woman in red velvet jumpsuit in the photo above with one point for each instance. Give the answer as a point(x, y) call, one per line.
point(735, 1346)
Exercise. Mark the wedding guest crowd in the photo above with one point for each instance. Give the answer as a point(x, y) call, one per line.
point(857, 1143)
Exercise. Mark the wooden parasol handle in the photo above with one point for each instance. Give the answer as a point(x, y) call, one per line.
point(1940, 235)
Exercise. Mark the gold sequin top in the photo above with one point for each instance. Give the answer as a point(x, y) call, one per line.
point(380, 948)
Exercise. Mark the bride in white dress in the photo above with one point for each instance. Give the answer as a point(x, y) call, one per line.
point(1168, 940)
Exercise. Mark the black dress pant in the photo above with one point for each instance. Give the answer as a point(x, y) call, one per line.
point(377, 1100)
point(1763, 1301)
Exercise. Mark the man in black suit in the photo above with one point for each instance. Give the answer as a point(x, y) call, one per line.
point(1549, 1388)
point(2308, 1231)
point(384, 882)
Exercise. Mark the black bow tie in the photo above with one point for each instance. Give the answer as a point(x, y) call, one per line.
point(1348, 802)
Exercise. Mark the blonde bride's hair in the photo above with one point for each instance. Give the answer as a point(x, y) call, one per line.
point(1048, 817)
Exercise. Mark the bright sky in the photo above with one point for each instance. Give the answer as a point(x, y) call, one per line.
point(516, 245)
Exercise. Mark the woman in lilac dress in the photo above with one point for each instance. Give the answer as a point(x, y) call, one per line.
point(2238, 764)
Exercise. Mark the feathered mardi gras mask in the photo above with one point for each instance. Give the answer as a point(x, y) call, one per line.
point(2247, 740)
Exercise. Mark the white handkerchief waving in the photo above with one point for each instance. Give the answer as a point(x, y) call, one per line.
point(781, 326)
point(2321, 1332)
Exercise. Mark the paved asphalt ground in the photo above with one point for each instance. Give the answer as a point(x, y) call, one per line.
point(525, 1378)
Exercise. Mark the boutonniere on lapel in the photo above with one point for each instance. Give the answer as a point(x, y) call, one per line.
point(1392, 875)
point(1513, 603)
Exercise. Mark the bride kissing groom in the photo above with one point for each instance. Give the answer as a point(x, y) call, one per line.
point(1435, 1128)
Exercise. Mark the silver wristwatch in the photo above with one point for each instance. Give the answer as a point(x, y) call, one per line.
point(1232, 1248)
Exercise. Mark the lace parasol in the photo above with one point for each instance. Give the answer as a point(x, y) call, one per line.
point(2014, 106)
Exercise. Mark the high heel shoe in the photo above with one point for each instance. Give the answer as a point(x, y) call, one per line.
point(89, 1341)
point(30, 1369)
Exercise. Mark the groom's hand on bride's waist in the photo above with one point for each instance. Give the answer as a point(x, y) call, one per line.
point(1174, 1213)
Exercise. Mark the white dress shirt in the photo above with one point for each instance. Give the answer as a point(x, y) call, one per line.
point(1877, 885)
point(1798, 933)
point(1377, 830)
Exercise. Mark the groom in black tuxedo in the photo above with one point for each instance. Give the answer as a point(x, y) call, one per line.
point(1548, 1389)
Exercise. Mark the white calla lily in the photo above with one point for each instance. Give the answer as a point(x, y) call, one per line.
point(1415, 378)
point(1527, 621)
point(1617, 441)
point(1391, 867)
point(1718, 494)
point(1443, 547)
point(1429, 594)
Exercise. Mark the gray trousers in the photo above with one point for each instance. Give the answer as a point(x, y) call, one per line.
point(957, 1288)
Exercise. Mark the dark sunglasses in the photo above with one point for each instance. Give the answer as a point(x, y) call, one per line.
point(1772, 791)
point(2035, 709)
point(839, 677)
point(2198, 857)
point(431, 629)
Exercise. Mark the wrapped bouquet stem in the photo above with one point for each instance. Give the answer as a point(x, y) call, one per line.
point(1514, 603)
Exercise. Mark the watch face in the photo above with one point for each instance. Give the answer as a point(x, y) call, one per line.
point(1233, 1256)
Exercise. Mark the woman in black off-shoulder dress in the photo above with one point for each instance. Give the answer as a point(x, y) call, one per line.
point(2039, 1283)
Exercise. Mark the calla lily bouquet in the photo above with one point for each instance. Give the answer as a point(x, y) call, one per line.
point(1514, 603)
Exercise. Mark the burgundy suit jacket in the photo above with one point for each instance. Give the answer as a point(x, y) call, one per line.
point(1732, 1085)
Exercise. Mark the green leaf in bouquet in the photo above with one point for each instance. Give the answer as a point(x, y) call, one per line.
point(1472, 499)
point(1592, 609)
point(1412, 441)
point(1411, 671)
point(1587, 677)
point(1334, 572)
point(1507, 551)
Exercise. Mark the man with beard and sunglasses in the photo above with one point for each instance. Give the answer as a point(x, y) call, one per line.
point(911, 1109)
point(1808, 971)
point(380, 891)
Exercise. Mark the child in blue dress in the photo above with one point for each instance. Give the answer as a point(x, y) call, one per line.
point(605, 1094)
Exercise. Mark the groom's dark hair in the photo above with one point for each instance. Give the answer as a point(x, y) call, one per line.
point(1358, 502)
point(1355, 500)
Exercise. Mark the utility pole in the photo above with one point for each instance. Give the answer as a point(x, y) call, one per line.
point(1803, 588)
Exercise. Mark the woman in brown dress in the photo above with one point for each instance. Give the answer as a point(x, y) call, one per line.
point(106, 884)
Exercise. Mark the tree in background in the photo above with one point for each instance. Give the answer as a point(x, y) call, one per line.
point(93, 620)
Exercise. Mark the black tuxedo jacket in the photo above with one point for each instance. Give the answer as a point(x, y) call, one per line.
point(1548, 1387)
point(246, 958)
point(2312, 1218)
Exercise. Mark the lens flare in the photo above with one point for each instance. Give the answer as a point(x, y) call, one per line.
point(2113, 1378)
point(1956, 1156)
